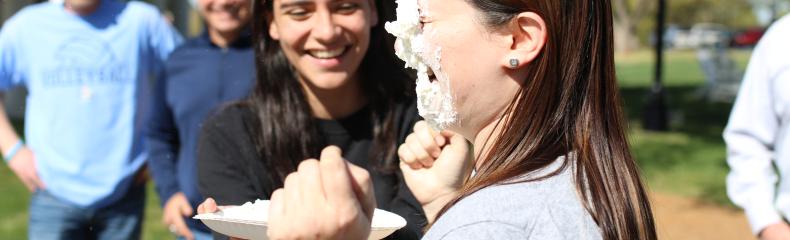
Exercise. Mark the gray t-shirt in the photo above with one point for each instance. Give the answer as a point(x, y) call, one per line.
point(546, 209)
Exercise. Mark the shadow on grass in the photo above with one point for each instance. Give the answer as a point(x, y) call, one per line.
point(697, 117)
point(690, 158)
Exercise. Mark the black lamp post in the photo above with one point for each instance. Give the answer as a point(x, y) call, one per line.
point(655, 114)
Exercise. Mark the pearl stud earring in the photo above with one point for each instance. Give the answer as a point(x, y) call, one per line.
point(513, 63)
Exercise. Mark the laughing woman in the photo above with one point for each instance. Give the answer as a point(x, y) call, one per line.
point(532, 84)
point(325, 76)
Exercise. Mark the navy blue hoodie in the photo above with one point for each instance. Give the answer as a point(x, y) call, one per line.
point(200, 76)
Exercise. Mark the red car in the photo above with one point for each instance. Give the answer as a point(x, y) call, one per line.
point(747, 38)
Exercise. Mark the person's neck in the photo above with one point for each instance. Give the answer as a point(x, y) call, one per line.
point(335, 103)
point(485, 138)
point(222, 39)
point(82, 10)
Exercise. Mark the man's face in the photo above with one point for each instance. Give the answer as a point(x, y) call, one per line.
point(81, 5)
point(225, 15)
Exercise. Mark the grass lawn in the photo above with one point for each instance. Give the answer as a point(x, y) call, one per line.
point(14, 200)
point(688, 160)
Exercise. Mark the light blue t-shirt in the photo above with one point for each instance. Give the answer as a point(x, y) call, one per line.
point(88, 79)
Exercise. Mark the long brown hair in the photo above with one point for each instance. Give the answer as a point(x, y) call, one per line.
point(569, 103)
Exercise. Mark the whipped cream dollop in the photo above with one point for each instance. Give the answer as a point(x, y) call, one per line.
point(257, 211)
point(434, 99)
point(409, 34)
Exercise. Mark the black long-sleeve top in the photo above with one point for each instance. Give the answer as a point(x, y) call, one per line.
point(231, 171)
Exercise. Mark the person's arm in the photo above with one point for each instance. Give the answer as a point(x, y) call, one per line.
point(8, 136)
point(10, 75)
point(162, 142)
point(12, 72)
point(13, 64)
point(331, 196)
point(221, 162)
point(19, 158)
point(434, 166)
point(751, 136)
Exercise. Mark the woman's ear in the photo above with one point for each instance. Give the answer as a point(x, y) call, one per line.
point(527, 38)
point(274, 32)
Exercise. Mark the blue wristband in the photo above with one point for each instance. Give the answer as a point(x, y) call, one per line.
point(12, 152)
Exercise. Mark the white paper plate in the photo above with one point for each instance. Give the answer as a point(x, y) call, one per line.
point(384, 223)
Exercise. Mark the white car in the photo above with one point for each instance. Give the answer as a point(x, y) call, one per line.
point(708, 35)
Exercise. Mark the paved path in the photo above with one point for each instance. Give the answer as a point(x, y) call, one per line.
point(681, 218)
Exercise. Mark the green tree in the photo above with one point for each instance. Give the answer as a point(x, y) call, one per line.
point(627, 15)
point(735, 14)
point(635, 19)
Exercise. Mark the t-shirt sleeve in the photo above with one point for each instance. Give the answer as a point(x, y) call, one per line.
point(164, 39)
point(487, 230)
point(221, 164)
point(12, 64)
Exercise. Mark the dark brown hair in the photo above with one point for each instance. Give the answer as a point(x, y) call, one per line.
point(569, 103)
point(287, 133)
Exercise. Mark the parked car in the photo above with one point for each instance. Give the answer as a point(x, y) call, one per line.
point(747, 38)
point(674, 37)
point(679, 37)
point(708, 35)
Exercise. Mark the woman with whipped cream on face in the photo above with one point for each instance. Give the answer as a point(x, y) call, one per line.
point(326, 76)
point(532, 84)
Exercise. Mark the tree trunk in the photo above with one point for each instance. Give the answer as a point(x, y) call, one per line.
point(625, 39)
point(627, 14)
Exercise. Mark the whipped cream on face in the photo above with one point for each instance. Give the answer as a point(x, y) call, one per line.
point(407, 30)
point(258, 211)
point(434, 99)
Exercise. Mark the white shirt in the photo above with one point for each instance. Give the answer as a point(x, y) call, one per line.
point(757, 132)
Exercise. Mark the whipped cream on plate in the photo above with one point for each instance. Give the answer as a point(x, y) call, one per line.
point(250, 211)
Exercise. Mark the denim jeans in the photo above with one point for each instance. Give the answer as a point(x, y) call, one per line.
point(52, 218)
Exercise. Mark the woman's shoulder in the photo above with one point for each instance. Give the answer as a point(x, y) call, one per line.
point(545, 209)
point(229, 125)
point(230, 117)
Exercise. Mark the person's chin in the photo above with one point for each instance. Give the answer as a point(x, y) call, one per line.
point(331, 80)
point(226, 27)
